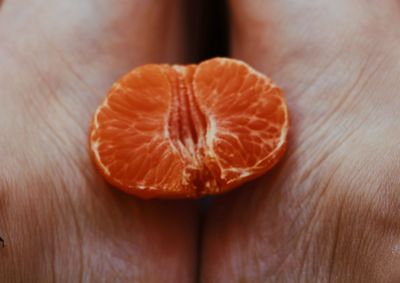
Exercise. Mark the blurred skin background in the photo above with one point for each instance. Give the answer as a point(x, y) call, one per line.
point(330, 210)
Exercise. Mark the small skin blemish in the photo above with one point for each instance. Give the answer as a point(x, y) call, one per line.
point(396, 250)
point(2, 242)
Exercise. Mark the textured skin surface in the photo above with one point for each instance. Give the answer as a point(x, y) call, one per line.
point(59, 219)
point(329, 211)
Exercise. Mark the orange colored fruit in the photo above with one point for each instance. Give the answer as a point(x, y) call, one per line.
point(188, 131)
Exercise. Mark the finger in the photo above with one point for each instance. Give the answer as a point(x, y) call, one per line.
point(59, 58)
point(104, 39)
point(327, 56)
point(290, 34)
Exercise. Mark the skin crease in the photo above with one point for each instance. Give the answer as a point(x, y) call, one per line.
point(59, 220)
point(327, 213)
point(330, 211)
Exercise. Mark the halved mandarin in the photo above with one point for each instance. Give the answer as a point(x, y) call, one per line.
point(188, 131)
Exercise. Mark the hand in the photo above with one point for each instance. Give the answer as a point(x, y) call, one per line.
point(330, 211)
point(59, 220)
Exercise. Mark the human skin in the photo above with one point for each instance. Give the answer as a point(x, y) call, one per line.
point(330, 211)
point(58, 218)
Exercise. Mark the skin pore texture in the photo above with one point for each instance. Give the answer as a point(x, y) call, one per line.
point(59, 220)
point(329, 212)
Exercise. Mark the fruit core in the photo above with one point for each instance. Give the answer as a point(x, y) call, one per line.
point(187, 130)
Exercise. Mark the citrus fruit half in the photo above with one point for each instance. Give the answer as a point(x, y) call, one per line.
point(187, 131)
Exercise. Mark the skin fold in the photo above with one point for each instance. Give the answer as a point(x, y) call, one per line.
point(329, 212)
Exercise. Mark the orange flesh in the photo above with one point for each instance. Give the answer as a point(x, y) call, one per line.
point(188, 131)
point(187, 124)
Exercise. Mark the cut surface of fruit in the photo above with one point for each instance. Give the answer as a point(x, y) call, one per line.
point(187, 131)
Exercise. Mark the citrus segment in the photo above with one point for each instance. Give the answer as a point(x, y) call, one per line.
point(248, 115)
point(128, 138)
point(188, 131)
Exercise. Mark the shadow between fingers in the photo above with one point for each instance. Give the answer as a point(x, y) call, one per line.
point(207, 29)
